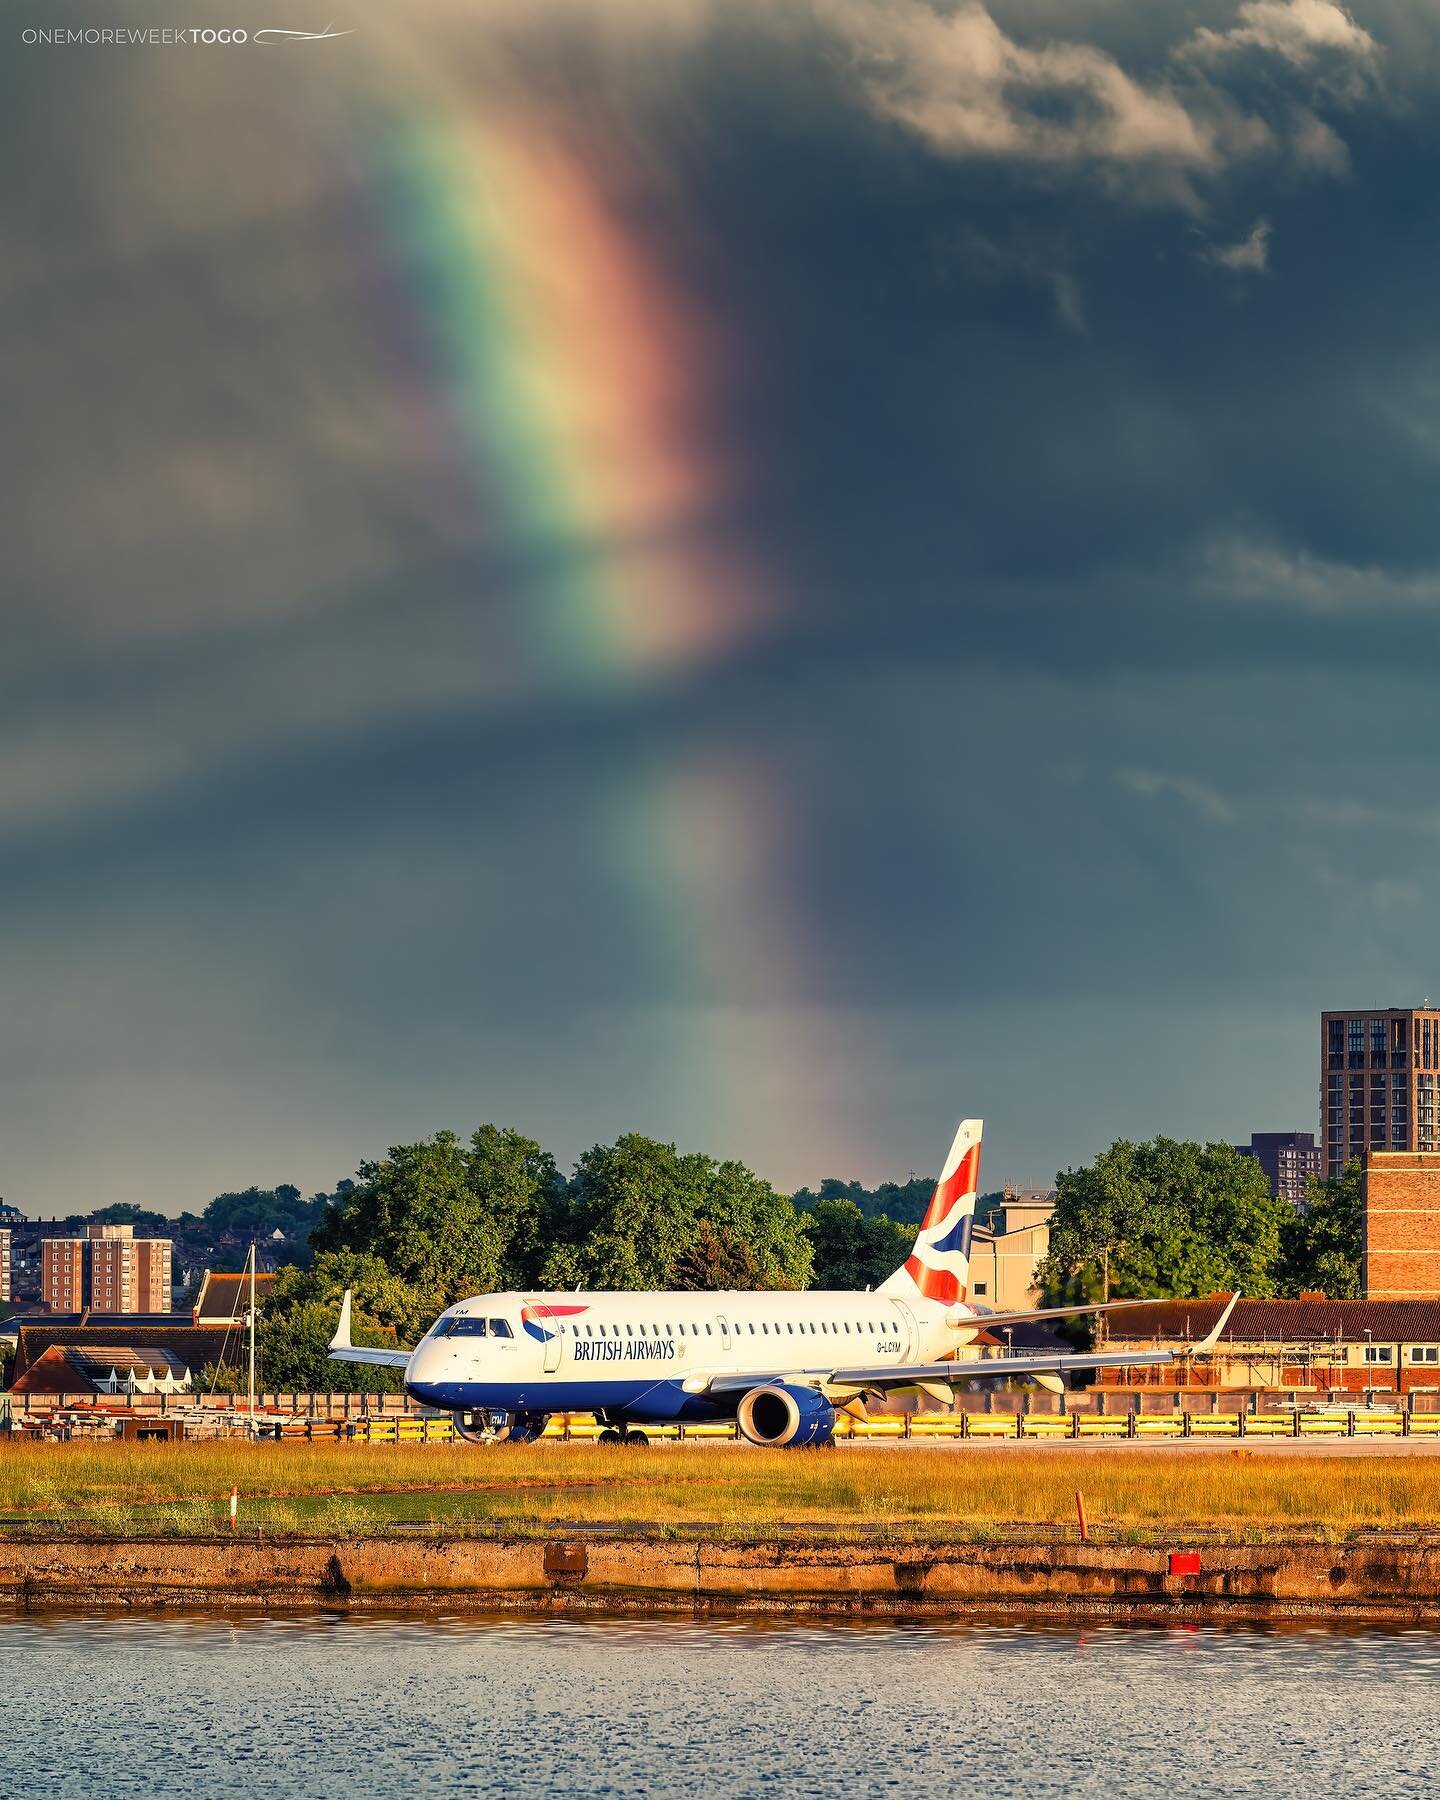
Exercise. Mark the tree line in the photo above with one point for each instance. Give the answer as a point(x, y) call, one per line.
point(447, 1217)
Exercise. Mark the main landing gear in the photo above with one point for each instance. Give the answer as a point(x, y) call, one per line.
point(624, 1435)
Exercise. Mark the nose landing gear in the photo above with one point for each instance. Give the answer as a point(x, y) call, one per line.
point(489, 1427)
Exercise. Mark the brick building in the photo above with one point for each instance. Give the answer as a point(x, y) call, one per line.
point(109, 1269)
point(1400, 1233)
point(1311, 1347)
point(4, 1263)
point(76, 1355)
point(1379, 1082)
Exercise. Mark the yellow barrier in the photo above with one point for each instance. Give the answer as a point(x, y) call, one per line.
point(420, 1428)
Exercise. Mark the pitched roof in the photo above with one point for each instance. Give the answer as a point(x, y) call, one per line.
point(1269, 1321)
point(225, 1298)
point(194, 1345)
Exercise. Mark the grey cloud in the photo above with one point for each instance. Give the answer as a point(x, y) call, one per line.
point(1250, 256)
point(1202, 799)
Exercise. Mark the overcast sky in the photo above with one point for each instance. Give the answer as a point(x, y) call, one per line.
point(771, 574)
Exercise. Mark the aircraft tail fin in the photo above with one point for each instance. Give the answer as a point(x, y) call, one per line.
point(938, 1268)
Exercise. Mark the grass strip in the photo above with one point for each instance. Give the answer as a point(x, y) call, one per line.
point(721, 1490)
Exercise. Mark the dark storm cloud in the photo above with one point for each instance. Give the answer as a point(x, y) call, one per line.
point(1084, 399)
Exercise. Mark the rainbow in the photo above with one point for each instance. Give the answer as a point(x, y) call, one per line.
point(579, 381)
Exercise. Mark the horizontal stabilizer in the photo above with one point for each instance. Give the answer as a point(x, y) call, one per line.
point(342, 1350)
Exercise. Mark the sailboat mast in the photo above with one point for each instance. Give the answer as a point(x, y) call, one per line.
point(252, 1328)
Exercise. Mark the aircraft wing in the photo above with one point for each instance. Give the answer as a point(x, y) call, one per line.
point(342, 1350)
point(986, 1319)
point(836, 1383)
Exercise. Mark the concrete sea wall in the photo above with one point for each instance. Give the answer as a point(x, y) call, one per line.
point(1392, 1580)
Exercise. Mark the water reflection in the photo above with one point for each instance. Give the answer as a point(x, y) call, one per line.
point(380, 1705)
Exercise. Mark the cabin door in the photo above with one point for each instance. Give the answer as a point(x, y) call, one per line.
point(912, 1351)
point(724, 1325)
point(554, 1344)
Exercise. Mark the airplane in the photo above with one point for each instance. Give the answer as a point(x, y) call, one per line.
point(782, 1365)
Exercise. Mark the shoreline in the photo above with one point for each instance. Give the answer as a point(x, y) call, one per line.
point(1395, 1582)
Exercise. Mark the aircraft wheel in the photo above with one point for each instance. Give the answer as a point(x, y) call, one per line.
point(609, 1436)
point(639, 1438)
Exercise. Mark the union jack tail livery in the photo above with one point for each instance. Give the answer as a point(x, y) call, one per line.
point(939, 1265)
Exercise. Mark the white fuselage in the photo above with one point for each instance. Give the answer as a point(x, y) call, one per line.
point(645, 1355)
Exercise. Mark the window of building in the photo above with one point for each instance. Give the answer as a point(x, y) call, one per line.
point(1378, 1353)
point(981, 1288)
point(1337, 1034)
point(1377, 1037)
point(1398, 1033)
point(1425, 1353)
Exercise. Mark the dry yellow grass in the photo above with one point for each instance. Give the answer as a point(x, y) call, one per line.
point(858, 1490)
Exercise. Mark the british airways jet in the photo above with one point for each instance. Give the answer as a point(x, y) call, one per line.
point(782, 1365)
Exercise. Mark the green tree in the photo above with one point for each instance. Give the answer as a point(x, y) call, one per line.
point(449, 1218)
point(123, 1212)
point(258, 1212)
point(1165, 1220)
point(299, 1316)
point(851, 1250)
point(636, 1212)
point(1321, 1240)
point(714, 1261)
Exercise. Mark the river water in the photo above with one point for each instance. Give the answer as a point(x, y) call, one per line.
point(200, 1706)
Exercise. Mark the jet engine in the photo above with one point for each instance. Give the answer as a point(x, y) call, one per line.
point(782, 1417)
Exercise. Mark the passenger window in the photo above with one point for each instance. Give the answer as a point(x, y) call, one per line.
point(629, 1331)
point(709, 1332)
point(790, 1329)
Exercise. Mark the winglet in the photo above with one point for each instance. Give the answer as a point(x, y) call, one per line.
point(341, 1339)
point(1208, 1343)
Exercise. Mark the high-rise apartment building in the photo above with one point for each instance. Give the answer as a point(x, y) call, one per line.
point(62, 1273)
point(109, 1269)
point(1289, 1158)
point(1379, 1082)
point(5, 1293)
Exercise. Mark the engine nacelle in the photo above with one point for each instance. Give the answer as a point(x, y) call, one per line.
point(782, 1417)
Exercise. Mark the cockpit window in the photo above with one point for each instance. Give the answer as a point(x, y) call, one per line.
point(464, 1328)
point(500, 1328)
